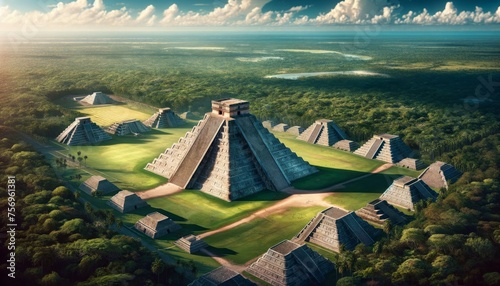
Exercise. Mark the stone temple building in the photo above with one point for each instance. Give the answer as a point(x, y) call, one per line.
point(289, 263)
point(295, 130)
point(378, 211)
point(156, 225)
point(127, 127)
point(82, 132)
point(126, 201)
point(323, 132)
point(222, 276)
point(97, 98)
point(164, 118)
point(406, 191)
point(385, 147)
point(230, 155)
point(438, 174)
point(190, 243)
point(333, 227)
point(98, 184)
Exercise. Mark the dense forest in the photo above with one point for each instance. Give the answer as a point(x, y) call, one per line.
point(453, 240)
point(60, 240)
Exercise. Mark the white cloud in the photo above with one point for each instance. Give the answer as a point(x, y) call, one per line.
point(169, 14)
point(357, 12)
point(147, 15)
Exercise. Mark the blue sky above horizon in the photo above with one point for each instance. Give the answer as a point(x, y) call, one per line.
point(247, 13)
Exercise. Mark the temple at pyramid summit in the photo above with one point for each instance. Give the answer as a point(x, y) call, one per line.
point(333, 227)
point(385, 147)
point(406, 191)
point(97, 98)
point(438, 174)
point(164, 118)
point(323, 132)
point(378, 211)
point(82, 132)
point(156, 225)
point(127, 127)
point(126, 201)
point(289, 263)
point(230, 155)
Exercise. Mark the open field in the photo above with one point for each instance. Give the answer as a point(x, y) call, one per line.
point(107, 115)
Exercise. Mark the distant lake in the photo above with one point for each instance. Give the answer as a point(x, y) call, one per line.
point(294, 76)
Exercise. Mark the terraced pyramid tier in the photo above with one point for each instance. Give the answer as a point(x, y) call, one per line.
point(438, 174)
point(407, 191)
point(378, 211)
point(222, 276)
point(164, 118)
point(230, 155)
point(97, 98)
point(98, 184)
point(323, 132)
point(385, 147)
point(133, 126)
point(82, 132)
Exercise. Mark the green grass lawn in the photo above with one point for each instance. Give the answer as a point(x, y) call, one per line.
point(107, 115)
point(252, 239)
point(335, 166)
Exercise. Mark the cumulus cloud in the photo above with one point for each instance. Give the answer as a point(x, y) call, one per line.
point(83, 13)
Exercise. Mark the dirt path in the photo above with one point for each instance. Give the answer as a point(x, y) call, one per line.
point(224, 262)
point(160, 191)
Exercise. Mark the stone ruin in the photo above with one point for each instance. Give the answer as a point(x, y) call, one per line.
point(190, 243)
point(385, 147)
point(378, 211)
point(346, 145)
point(164, 118)
point(406, 191)
point(82, 132)
point(295, 130)
point(282, 127)
point(98, 184)
point(222, 276)
point(127, 127)
point(323, 132)
point(438, 174)
point(333, 227)
point(289, 263)
point(413, 164)
point(156, 225)
point(268, 124)
point(126, 201)
point(97, 98)
point(230, 155)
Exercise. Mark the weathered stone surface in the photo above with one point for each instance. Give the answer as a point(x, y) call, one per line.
point(97, 98)
point(407, 191)
point(334, 227)
point(133, 126)
point(268, 124)
point(378, 211)
point(98, 183)
point(289, 263)
point(190, 243)
point(410, 163)
point(164, 118)
point(156, 225)
point(323, 132)
point(82, 132)
point(282, 127)
point(222, 276)
point(295, 130)
point(346, 145)
point(385, 147)
point(438, 174)
point(229, 154)
point(126, 201)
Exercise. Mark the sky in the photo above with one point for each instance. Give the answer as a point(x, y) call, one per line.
point(104, 14)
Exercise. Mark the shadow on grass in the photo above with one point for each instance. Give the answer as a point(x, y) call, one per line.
point(148, 210)
point(265, 195)
point(221, 252)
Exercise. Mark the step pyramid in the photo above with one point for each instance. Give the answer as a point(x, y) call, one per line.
point(333, 227)
point(289, 263)
point(133, 126)
point(98, 184)
point(82, 132)
point(378, 211)
point(97, 98)
point(281, 127)
point(295, 130)
point(385, 147)
point(190, 243)
point(406, 191)
point(230, 155)
point(323, 132)
point(164, 118)
point(222, 276)
point(346, 145)
point(126, 201)
point(413, 164)
point(156, 225)
point(438, 174)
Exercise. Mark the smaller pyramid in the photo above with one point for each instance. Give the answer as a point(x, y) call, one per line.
point(82, 132)
point(406, 191)
point(98, 184)
point(126, 201)
point(164, 118)
point(323, 132)
point(268, 124)
point(385, 147)
point(222, 276)
point(378, 211)
point(295, 130)
point(190, 243)
point(334, 227)
point(156, 225)
point(97, 98)
point(346, 145)
point(282, 127)
point(438, 174)
point(289, 263)
point(413, 164)
point(133, 126)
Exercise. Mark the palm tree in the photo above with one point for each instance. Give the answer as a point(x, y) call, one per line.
point(157, 267)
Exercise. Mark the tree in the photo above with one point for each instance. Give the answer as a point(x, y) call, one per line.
point(157, 267)
point(388, 227)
